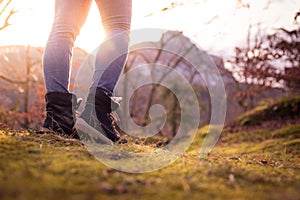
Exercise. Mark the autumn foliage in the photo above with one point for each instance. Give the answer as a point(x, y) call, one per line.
point(271, 60)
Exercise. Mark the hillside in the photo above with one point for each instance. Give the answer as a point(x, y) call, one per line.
point(253, 161)
point(21, 77)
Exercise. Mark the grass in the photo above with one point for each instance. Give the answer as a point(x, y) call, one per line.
point(248, 162)
point(264, 165)
point(286, 107)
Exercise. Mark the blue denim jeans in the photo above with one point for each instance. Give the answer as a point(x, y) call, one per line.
point(111, 56)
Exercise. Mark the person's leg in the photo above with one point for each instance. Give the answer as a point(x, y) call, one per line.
point(69, 17)
point(110, 60)
point(112, 54)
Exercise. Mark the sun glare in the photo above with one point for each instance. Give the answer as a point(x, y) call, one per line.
point(215, 25)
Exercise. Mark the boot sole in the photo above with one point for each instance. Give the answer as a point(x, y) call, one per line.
point(84, 127)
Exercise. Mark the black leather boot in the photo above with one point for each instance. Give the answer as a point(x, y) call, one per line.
point(98, 118)
point(60, 114)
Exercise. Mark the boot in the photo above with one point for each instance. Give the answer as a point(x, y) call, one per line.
point(98, 118)
point(60, 114)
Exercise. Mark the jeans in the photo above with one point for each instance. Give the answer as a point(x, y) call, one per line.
point(111, 56)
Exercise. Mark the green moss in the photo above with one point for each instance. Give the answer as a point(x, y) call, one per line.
point(286, 107)
point(288, 131)
point(239, 167)
point(252, 117)
point(256, 135)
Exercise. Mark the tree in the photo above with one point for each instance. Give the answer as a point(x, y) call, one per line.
point(6, 12)
point(269, 60)
point(25, 80)
point(148, 95)
point(22, 114)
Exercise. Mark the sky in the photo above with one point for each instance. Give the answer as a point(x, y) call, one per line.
point(215, 25)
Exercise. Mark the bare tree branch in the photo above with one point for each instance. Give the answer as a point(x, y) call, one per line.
point(6, 22)
point(296, 16)
point(5, 78)
point(5, 6)
point(212, 19)
point(11, 13)
point(173, 5)
point(268, 3)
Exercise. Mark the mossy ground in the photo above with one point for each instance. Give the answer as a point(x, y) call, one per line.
point(249, 164)
point(282, 109)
